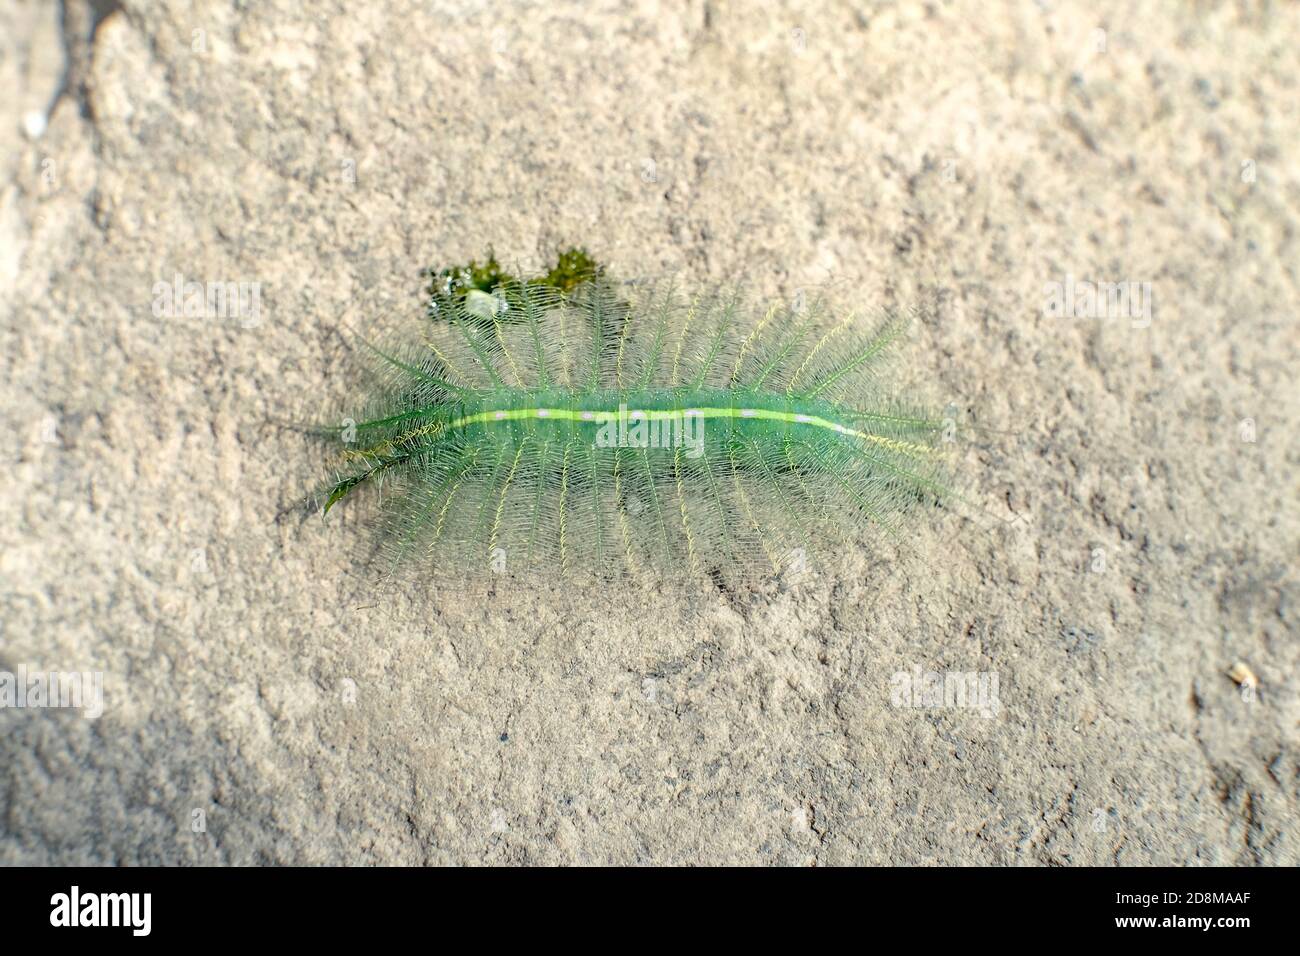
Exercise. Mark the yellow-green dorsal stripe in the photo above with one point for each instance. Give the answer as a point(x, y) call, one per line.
point(600, 417)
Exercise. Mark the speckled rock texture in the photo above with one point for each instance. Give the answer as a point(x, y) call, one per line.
point(1133, 530)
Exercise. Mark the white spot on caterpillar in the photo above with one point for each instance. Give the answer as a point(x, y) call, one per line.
point(803, 419)
point(636, 416)
point(746, 413)
point(543, 412)
point(588, 416)
point(692, 413)
point(500, 415)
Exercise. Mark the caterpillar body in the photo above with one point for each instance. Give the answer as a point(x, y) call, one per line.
point(635, 429)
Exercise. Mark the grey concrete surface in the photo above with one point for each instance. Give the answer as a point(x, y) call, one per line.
point(1136, 530)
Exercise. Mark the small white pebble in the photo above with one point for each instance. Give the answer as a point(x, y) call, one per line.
point(34, 123)
point(1243, 675)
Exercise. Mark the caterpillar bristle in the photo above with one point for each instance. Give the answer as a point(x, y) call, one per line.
point(639, 429)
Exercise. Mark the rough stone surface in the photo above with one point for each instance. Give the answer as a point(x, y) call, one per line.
point(1136, 533)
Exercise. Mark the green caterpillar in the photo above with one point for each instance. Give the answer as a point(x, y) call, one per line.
point(633, 429)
